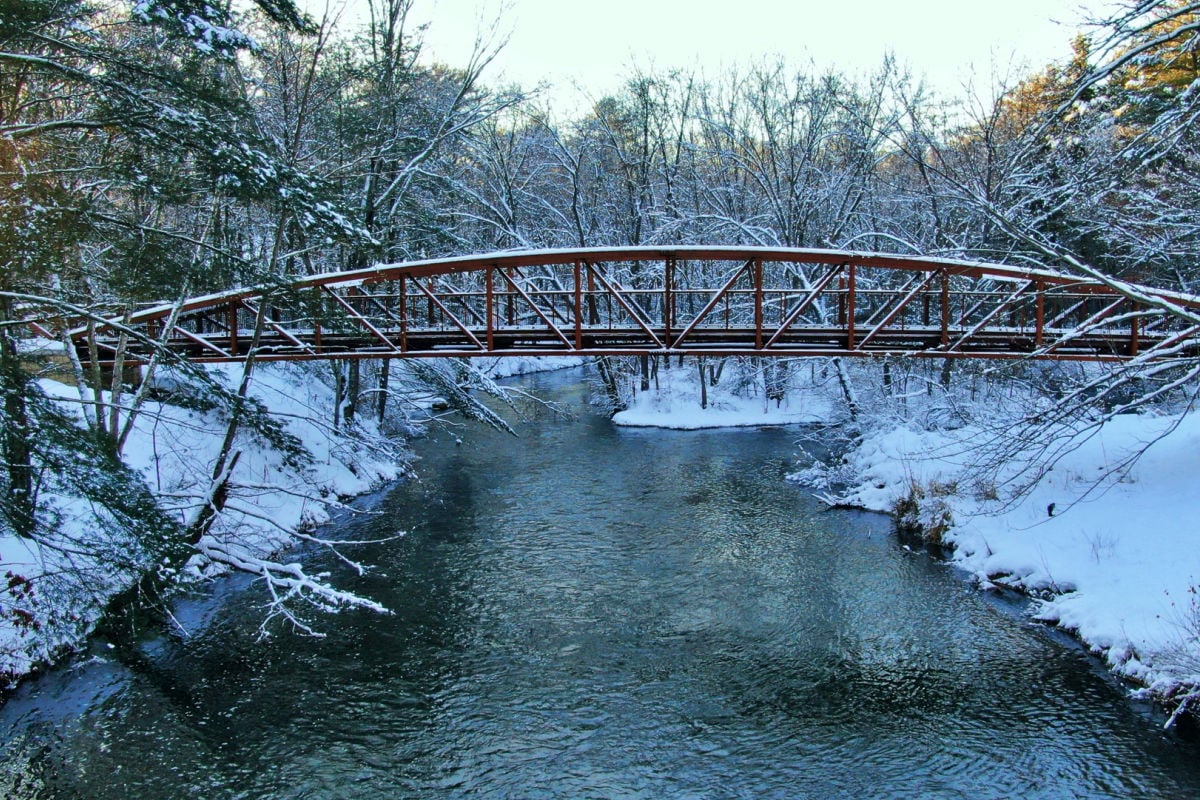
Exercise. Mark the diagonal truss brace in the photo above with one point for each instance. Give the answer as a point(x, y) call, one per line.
point(282, 331)
point(537, 310)
point(615, 290)
point(1085, 326)
point(458, 323)
point(200, 340)
point(361, 320)
point(896, 309)
point(712, 303)
point(813, 293)
point(991, 315)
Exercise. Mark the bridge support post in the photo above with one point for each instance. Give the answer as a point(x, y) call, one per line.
point(850, 307)
point(1134, 330)
point(668, 299)
point(578, 305)
point(231, 322)
point(758, 304)
point(1039, 321)
point(403, 314)
point(945, 309)
point(490, 289)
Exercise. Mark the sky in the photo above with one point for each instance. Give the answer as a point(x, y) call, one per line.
point(584, 49)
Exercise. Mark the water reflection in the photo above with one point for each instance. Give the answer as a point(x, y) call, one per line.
point(590, 612)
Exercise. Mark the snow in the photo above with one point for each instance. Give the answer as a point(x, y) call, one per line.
point(1117, 563)
point(525, 365)
point(676, 404)
point(174, 448)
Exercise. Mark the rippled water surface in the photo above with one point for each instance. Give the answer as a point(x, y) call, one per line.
point(583, 612)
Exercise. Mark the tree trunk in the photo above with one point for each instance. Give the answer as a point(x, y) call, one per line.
point(18, 457)
point(847, 389)
point(353, 388)
point(381, 402)
point(339, 392)
point(608, 378)
point(227, 457)
point(715, 370)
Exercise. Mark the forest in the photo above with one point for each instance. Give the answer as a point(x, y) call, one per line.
point(155, 150)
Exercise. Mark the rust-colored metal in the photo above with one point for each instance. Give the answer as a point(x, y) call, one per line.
point(668, 299)
point(576, 304)
point(458, 323)
point(850, 286)
point(716, 298)
point(800, 308)
point(488, 308)
point(1039, 314)
point(616, 292)
point(1133, 329)
point(841, 315)
point(758, 304)
point(896, 309)
point(992, 314)
point(1086, 324)
point(511, 316)
point(536, 310)
point(359, 318)
point(403, 314)
point(232, 322)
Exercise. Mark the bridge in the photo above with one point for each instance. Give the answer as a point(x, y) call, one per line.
point(712, 301)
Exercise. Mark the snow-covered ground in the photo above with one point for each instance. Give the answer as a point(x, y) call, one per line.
point(174, 448)
point(525, 365)
point(1118, 561)
point(1115, 559)
point(676, 404)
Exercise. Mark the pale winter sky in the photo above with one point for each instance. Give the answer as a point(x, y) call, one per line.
point(591, 43)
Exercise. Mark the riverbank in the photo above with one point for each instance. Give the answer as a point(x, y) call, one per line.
point(658, 610)
point(676, 404)
point(53, 599)
point(1107, 549)
point(62, 590)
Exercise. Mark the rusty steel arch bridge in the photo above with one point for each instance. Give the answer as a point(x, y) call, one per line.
point(715, 301)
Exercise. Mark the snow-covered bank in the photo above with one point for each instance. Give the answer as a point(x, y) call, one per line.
point(676, 404)
point(62, 589)
point(509, 366)
point(1116, 562)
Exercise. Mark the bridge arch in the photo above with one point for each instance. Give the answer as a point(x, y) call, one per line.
point(685, 300)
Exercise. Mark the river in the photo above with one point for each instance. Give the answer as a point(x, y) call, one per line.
point(590, 612)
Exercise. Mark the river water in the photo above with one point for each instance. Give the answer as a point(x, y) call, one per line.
point(591, 612)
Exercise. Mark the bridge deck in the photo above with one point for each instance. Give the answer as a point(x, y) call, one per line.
point(687, 301)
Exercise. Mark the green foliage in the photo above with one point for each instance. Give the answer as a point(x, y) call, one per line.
point(145, 265)
point(39, 220)
point(74, 465)
point(19, 17)
point(211, 27)
point(77, 462)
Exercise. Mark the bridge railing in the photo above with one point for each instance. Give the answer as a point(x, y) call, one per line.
point(728, 302)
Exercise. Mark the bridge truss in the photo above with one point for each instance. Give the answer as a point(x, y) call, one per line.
point(718, 301)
